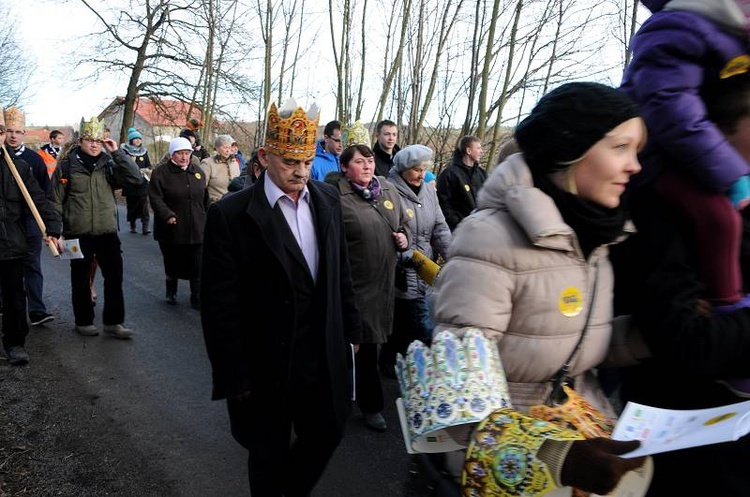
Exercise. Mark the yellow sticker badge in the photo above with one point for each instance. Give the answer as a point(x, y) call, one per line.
point(410, 213)
point(738, 65)
point(467, 188)
point(198, 175)
point(388, 205)
point(571, 302)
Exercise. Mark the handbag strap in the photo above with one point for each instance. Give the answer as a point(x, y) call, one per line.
point(557, 395)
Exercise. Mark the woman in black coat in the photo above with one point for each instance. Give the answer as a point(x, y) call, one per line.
point(179, 198)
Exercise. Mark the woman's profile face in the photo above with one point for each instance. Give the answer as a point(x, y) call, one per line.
point(602, 175)
point(415, 175)
point(224, 150)
point(359, 169)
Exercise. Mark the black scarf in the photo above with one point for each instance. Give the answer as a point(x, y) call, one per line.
point(88, 161)
point(593, 224)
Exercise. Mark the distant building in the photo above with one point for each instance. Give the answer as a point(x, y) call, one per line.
point(36, 136)
point(158, 120)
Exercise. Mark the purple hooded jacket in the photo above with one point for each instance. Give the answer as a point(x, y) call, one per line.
point(676, 54)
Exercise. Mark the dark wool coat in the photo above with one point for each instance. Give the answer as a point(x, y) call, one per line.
point(457, 188)
point(248, 302)
point(656, 280)
point(183, 194)
point(373, 255)
point(383, 161)
point(13, 210)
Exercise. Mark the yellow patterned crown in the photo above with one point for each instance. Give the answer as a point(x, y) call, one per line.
point(14, 118)
point(91, 130)
point(355, 134)
point(291, 132)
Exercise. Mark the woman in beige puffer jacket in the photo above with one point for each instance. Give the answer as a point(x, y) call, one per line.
point(531, 262)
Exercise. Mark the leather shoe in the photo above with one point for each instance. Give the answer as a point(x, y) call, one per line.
point(17, 355)
point(375, 421)
point(117, 331)
point(87, 330)
point(38, 317)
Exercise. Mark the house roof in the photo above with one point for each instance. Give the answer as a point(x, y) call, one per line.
point(160, 112)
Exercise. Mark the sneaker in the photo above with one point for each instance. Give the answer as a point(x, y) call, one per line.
point(39, 317)
point(132, 228)
point(375, 421)
point(738, 386)
point(17, 355)
point(117, 331)
point(87, 330)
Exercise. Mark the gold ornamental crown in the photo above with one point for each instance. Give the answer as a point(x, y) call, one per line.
point(291, 132)
point(14, 118)
point(91, 130)
point(355, 134)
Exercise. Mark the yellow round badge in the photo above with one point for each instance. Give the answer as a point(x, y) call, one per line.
point(467, 188)
point(198, 175)
point(571, 302)
point(388, 205)
point(410, 213)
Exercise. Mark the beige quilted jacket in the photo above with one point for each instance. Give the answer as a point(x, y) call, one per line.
point(516, 271)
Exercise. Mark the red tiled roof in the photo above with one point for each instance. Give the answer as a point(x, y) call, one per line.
point(165, 112)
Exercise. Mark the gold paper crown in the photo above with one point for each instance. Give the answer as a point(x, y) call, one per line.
point(14, 118)
point(91, 130)
point(355, 134)
point(291, 132)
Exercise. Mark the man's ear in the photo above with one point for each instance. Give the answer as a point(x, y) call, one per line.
point(263, 157)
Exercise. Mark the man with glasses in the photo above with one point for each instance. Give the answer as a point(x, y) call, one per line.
point(15, 129)
point(14, 249)
point(84, 184)
point(327, 152)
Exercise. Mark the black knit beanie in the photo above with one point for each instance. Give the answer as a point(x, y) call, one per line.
point(568, 121)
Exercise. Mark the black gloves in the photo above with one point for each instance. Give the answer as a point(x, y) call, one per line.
point(593, 465)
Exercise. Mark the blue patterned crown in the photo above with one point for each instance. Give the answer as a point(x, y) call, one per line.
point(456, 382)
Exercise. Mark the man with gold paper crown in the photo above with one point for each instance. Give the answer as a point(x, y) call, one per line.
point(14, 248)
point(15, 129)
point(84, 184)
point(278, 311)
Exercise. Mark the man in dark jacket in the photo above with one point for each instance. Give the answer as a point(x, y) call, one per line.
point(83, 185)
point(458, 186)
point(15, 129)
point(278, 311)
point(13, 250)
point(385, 146)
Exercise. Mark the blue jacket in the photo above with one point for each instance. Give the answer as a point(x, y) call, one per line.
point(324, 163)
point(677, 54)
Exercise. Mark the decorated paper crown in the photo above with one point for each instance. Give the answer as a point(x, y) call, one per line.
point(355, 134)
point(91, 130)
point(291, 132)
point(457, 382)
point(14, 118)
point(502, 457)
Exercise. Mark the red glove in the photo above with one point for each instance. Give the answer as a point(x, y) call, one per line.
point(593, 465)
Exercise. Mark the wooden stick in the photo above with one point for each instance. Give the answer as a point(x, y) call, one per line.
point(29, 201)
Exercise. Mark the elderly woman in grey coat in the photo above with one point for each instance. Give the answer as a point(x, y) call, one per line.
point(429, 234)
point(220, 168)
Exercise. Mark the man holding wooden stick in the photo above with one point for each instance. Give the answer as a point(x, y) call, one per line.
point(16, 203)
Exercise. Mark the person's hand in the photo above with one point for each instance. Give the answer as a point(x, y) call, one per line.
point(356, 347)
point(593, 465)
point(172, 220)
point(109, 144)
point(55, 241)
point(400, 240)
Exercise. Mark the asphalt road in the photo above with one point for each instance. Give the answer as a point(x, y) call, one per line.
point(157, 388)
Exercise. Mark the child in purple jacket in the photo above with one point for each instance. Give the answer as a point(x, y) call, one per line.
point(687, 50)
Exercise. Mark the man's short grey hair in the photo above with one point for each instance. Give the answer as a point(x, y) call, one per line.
point(223, 140)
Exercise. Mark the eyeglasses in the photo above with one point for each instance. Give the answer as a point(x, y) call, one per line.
point(337, 140)
point(92, 141)
point(14, 132)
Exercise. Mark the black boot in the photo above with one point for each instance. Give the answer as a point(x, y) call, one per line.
point(132, 227)
point(195, 296)
point(171, 291)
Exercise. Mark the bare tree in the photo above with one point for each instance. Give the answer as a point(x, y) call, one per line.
point(14, 78)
